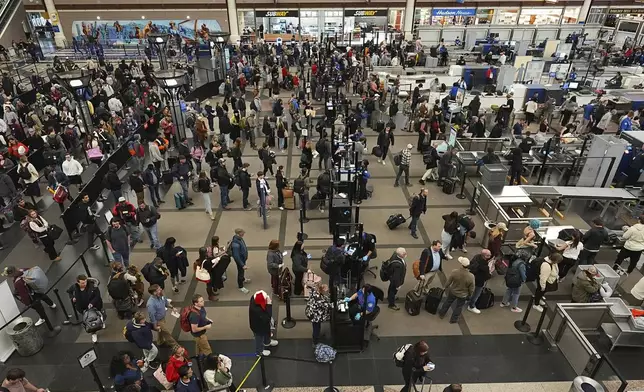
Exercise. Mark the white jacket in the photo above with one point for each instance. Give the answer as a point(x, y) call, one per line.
point(549, 273)
point(604, 121)
point(634, 237)
point(72, 167)
point(155, 153)
point(115, 105)
point(638, 290)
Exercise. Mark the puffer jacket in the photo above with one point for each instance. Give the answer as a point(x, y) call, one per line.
point(634, 237)
point(584, 288)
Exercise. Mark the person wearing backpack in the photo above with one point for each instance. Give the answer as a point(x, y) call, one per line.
point(430, 159)
point(155, 272)
point(86, 295)
point(29, 175)
point(481, 271)
point(450, 227)
point(415, 364)
point(301, 187)
point(395, 271)
point(198, 323)
point(385, 140)
point(321, 146)
point(418, 206)
point(139, 332)
point(515, 277)
point(118, 241)
point(24, 292)
point(548, 279)
point(157, 306)
point(459, 287)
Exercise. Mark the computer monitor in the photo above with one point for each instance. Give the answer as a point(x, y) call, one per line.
point(573, 85)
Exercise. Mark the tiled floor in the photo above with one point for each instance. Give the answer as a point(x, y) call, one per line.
point(479, 350)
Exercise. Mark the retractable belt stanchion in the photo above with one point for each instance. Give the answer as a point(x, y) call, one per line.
point(536, 338)
point(522, 325)
point(62, 306)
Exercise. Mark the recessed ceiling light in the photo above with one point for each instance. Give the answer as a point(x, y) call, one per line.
point(142, 16)
point(98, 18)
point(188, 17)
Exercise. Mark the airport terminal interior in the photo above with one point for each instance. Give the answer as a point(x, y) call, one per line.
point(518, 131)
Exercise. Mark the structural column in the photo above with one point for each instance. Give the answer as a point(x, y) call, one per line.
point(585, 9)
point(59, 35)
point(409, 19)
point(233, 25)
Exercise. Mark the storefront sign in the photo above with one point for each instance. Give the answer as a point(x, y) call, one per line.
point(619, 11)
point(454, 12)
point(277, 14)
point(365, 13)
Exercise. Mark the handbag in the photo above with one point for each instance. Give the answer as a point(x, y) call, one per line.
point(54, 232)
point(94, 153)
point(551, 286)
point(309, 280)
point(161, 378)
point(202, 274)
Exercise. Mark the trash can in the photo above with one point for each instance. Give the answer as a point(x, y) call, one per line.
point(586, 384)
point(489, 225)
point(25, 336)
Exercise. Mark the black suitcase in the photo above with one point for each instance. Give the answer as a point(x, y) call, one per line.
point(413, 302)
point(486, 300)
point(167, 178)
point(449, 186)
point(376, 151)
point(380, 126)
point(433, 299)
point(395, 221)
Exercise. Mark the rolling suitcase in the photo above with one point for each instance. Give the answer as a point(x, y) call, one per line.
point(395, 221)
point(167, 178)
point(433, 299)
point(486, 299)
point(413, 302)
point(179, 200)
point(449, 186)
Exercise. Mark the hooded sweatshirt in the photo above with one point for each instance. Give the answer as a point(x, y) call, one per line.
point(172, 369)
point(139, 334)
point(634, 237)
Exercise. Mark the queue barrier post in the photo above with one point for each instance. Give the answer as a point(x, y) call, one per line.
point(62, 306)
point(461, 195)
point(331, 388)
point(288, 322)
point(522, 325)
point(536, 338)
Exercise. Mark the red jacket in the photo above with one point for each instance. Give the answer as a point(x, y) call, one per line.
point(172, 369)
point(13, 149)
point(284, 72)
point(296, 81)
point(125, 211)
point(314, 69)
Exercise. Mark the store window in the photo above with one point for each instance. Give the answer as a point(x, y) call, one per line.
point(571, 15)
point(507, 16)
point(596, 15)
point(309, 20)
point(278, 22)
point(373, 23)
point(453, 16)
point(484, 16)
point(246, 20)
point(540, 16)
point(396, 18)
point(333, 22)
point(422, 16)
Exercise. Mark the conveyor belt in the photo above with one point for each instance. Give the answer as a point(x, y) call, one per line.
point(587, 192)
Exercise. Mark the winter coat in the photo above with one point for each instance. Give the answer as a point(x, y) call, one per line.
point(584, 288)
point(634, 237)
point(259, 319)
point(273, 261)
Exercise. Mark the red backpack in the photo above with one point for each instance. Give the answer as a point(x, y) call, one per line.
point(60, 195)
point(184, 320)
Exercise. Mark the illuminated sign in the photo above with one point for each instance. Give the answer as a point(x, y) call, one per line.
point(365, 13)
point(277, 14)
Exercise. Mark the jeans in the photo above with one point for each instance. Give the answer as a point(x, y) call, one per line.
point(207, 202)
point(402, 169)
point(184, 188)
point(245, 202)
point(446, 240)
point(413, 224)
point(122, 257)
point(391, 293)
point(475, 296)
point(261, 341)
point(458, 307)
point(135, 233)
point(153, 235)
point(223, 193)
point(150, 355)
point(281, 142)
point(317, 328)
point(512, 295)
point(117, 194)
point(240, 275)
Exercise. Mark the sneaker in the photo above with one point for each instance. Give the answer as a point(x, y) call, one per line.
point(393, 307)
point(464, 250)
point(273, 343)
point(503, 304)
point(384, 163)
point(421, 182)
point(244, 290)
point(94, 338)
point(474, 310)
point(247, 280)
point(449, 257)
point(95, 247)
point(52, 306)
point(248, 209)
point(282, 208)
point(538, 308)
point(379, 160)
point(542, 303)
point(266, 353)
point(175, 288)
point(40, 322)
point(516, 310)
point(414, 235)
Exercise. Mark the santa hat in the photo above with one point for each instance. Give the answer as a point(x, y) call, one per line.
point(261, 299)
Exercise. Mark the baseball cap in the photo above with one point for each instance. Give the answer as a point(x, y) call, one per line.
point(410, 146)
point(121, 199)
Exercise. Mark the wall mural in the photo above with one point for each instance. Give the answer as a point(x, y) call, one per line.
point(132, 32)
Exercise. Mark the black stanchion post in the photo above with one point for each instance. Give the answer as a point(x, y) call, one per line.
point(89, 274)
point(301, 236)
point(288, 322)
point(53, 331)
point(78, 321)
point(62, 306)
point(201, 377)
point(266, 387)
point(97, 379)
point(331, 388)
point(536, 337)
point(522, 325)
point(461, 195)
point(472, 210)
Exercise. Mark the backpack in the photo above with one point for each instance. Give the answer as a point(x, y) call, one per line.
point(253, 106)
point(118, 287)
point(299, 186)
point(320, 146)
point(534, 269)
point(386, 270)
point(328, 260)
point(466, 222)
point(92, 320)
point(24, 172)
point(36, 279)
point(184, 318)
point(513, 276)
point(237, 178)
point(399, 354)
point(324, 353)
point(397, 159)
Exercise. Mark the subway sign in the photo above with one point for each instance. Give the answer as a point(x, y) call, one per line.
point(365, 13)
point(277, 14)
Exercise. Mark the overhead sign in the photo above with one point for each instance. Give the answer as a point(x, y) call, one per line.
point(365, 13)
point(277, 14)
point(626, 11)
point(454, 12)
point(87, 359)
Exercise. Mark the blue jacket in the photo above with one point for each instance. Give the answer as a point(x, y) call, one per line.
point(181, 170)
point(240, 251)
point(626, 124)
point(139, 334)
